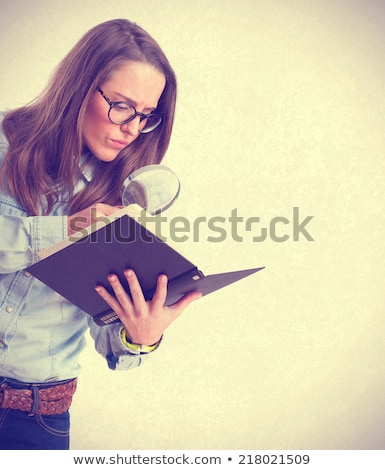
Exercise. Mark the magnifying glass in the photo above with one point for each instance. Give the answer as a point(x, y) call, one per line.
point(153, 187)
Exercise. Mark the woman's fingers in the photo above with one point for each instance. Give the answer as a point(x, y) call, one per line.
point(144, 321)
point(160, 295)
point(78, 221)
point(135, 289)
point(121, 302)
point(110, 299)
point(121, 295)
point(137, 302)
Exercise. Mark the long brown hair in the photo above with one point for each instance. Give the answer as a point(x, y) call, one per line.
point(41, 166)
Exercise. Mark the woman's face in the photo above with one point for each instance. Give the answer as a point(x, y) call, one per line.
point(137, 83)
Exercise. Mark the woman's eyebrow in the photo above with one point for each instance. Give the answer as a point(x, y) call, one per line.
point(133, 102)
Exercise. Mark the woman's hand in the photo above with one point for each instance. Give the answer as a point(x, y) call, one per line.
point(144, 321)
point(77, 222)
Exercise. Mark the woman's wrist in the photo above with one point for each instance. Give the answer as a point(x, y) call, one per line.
point(136, 348)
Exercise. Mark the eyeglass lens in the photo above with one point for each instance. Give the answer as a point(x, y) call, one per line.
point(123, 112)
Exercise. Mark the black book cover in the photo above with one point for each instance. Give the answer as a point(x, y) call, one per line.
point(74, 270)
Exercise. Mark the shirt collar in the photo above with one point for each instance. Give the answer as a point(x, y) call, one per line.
point(87, 166)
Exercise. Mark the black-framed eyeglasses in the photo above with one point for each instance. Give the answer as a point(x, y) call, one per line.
point(121, 112)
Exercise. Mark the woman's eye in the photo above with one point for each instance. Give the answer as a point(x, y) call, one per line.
point(122, 107)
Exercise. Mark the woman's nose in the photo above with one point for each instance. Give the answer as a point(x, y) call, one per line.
point(132, 127)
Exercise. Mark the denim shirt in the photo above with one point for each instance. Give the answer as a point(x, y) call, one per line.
point(41, 333)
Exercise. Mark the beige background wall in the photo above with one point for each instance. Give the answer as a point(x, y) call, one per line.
point(281, 105)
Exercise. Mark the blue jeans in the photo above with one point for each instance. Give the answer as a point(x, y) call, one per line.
point(20, 431)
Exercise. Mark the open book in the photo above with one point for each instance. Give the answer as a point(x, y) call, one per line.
point(73, 267)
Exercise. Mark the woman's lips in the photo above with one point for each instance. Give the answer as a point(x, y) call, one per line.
point(120, 144)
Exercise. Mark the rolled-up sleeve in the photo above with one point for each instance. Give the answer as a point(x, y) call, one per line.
point(108, 343)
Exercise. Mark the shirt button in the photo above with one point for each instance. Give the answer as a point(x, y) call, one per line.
point(9, 309)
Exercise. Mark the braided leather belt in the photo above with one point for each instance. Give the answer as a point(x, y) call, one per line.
point(34, 400)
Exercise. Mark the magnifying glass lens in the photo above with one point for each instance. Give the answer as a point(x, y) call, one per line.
point(152, 187)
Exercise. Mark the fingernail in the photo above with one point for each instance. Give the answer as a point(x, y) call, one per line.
point(128, 272)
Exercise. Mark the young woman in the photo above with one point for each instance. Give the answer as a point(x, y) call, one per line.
point(107, 111)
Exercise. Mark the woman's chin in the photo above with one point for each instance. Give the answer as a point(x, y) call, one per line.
point(107, 157)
